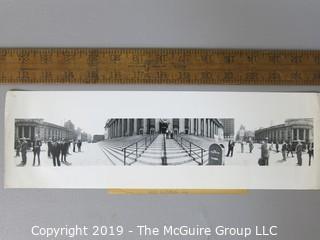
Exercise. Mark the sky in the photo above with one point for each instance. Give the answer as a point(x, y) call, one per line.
point(90, 110)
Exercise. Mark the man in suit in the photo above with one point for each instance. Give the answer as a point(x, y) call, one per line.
point(79, 143)
point(36, 148)
point(49, 143)
point(265, 152)
point(56, 149)
point(251, 145)
point(310, 152)
point(299, 149)
point(284, 150)
point(24, 148)
point(64, 151)
point(290, 149)
point(230, 148)
point(18, 146)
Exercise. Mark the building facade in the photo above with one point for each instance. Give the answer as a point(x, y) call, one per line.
point(39, 129)
point(291, 130)
point(208, 127)
point(228, 128)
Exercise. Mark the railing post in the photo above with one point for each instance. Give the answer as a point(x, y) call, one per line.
point(201, 156)
point(136, 151)
point(124, 156)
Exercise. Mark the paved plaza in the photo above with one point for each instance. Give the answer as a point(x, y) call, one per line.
point(90, 155)
point(110, 152)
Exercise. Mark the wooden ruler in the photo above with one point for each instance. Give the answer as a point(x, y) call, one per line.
point(158, 66)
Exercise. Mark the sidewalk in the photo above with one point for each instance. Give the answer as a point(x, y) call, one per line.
point(90, 155)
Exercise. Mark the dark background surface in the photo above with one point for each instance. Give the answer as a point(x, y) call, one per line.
point(295, 212)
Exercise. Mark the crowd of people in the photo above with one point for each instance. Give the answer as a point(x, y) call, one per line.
point(287, 148)
point(57, 150)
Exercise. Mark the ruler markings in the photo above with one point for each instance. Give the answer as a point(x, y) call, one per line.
point(156, 66)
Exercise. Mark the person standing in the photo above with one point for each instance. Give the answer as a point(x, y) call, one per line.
point(284, 151)
point(74, 145)
point(277, 146)
point(49, 144)
point(24, 148)
point(79, 143)
point(299, 149)
point(64, 151)
point(36, 148)
point(265, 153)
point(251, 146)
point(18, 146)
point(242, 146)
point(230, 148)
point(310, 152)
point(56, 153)
point(290, 149)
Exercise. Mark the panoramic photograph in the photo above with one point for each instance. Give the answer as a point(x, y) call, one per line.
point(162, 142)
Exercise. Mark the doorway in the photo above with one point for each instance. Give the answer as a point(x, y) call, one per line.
point(163, 127)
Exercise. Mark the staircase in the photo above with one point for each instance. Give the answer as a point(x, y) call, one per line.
point(112, 148)
point(151, 155)
point(174, 153)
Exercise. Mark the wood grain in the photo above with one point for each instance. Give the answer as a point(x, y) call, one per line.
point(159, 66)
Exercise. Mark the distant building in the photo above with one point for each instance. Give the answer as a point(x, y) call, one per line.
point(69, 125)
point(228, 128)
point(38, 128)
point(84, 137)
point(291, 130)
point(97, 138)
point(207, 127)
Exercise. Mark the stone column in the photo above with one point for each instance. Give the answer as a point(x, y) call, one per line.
point(145, 126)
point(205, 127)
point(122, 127)
point(181, 125)
point(16, 132)
point(157, 120)
point(135, 131)
point(191, 126)
point(117, 128)
point(197, 126)
point(128, 126)
point(171, 124)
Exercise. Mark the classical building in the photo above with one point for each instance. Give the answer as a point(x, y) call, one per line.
point(291, 130)
point(38, 128)
point(208, 127)
point(228, 128)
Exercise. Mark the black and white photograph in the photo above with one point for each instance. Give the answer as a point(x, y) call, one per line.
point(68, 131)
point(161, 141)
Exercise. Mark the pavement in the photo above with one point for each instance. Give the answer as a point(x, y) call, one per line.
point(90, 155)
point(275, 159)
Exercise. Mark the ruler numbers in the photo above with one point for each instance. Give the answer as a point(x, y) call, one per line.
point(159, 66)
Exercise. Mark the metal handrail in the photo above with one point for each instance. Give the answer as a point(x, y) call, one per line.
point(189, 150)
point(164, 151)
point(136, 147)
